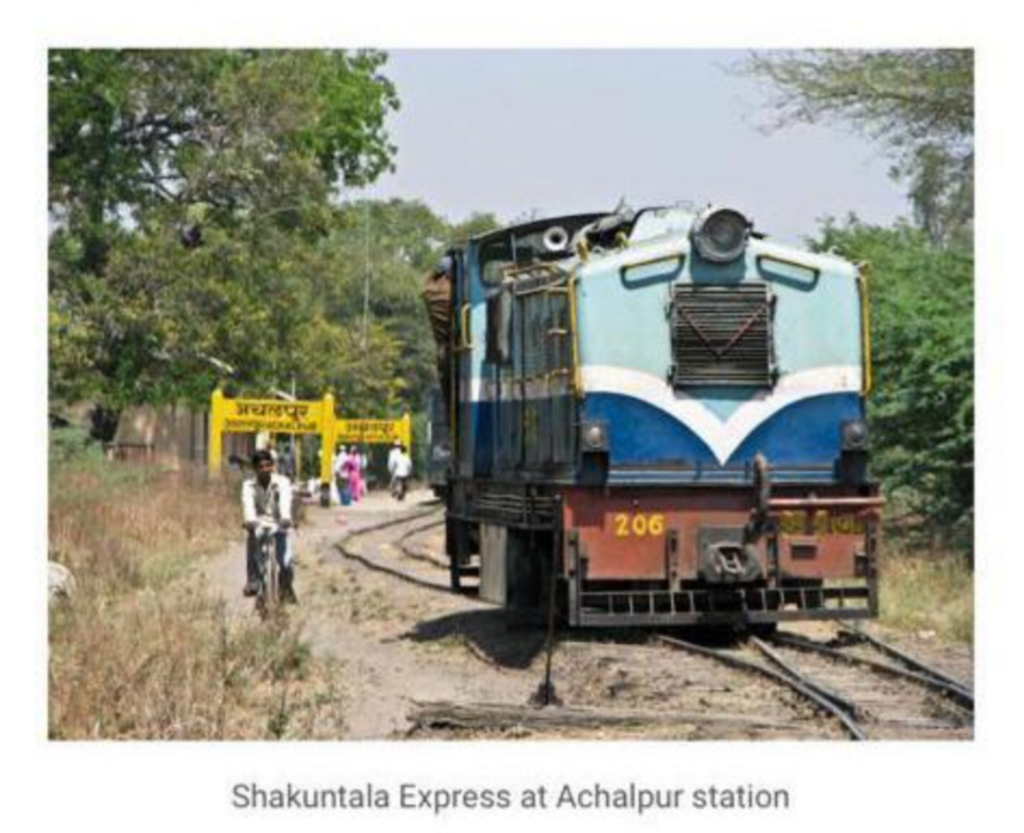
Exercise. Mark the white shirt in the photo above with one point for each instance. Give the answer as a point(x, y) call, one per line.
point(403, 465)
point(275, 501)
point(392, 458)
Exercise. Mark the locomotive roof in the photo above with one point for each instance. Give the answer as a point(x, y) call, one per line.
point(539, 223)
point(654, 222)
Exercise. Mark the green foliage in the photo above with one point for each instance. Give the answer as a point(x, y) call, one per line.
point(196, 237)
point(420, 446)
point(919, 106)
point(921, 410)
point(917, 103)
point(72, 444)
point(218, 130)
point(380, 252)
point(187, 189)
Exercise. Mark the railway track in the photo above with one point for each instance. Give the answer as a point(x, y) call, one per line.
point(346, 546)
point(405, 544)
point(864, 686)
point(870, 698)
point(959, 689)
point(907, 668)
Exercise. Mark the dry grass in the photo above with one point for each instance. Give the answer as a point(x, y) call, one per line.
point(928, 592)
point(142, 651)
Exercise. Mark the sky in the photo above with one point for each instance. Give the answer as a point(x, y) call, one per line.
point(517, 132)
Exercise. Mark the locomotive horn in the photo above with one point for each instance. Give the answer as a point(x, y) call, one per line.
point(556, 239)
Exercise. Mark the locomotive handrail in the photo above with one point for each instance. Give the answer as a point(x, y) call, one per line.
point(780, 503)
point(577, 382)
point(513, 271)
point(542, 290)
point(865, 325)
point(465, 340)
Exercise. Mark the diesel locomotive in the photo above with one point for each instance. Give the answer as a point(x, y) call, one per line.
point(656, 417)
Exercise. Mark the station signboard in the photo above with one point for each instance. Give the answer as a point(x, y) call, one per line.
point(252, 416)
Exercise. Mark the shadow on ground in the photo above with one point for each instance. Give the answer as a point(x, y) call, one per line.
point(486, 631)
point(516, 646)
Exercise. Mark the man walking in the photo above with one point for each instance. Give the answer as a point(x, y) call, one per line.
point(400, 469)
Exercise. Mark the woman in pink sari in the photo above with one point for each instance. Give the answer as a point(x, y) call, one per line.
point(355, 474)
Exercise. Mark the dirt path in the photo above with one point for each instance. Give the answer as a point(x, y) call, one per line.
point(396, 641)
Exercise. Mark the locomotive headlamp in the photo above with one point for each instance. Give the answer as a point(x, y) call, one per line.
point(594, 436)
point(720, 235)
point(855, 435)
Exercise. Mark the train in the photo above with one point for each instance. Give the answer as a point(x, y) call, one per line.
point(656, 417)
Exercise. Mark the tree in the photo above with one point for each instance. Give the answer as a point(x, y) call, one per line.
point(195, 226)
point(381, 252)
point(225, 131)
point(185, 187)
point(921, 411)
point(918, 104)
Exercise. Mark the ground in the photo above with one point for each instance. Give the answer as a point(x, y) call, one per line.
point(398, 643)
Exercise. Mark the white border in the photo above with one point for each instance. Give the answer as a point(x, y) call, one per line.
point(162, 787)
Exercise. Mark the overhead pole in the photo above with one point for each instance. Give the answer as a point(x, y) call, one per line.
point(366, 274)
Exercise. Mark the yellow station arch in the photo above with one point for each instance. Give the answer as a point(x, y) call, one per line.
point(247, 416)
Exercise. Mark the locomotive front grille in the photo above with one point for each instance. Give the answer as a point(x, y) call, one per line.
point(722, 335)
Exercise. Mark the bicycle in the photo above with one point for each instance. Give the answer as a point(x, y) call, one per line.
point(268, 598)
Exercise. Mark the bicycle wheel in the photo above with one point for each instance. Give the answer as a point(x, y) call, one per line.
point(269, 596)
point(273, 579)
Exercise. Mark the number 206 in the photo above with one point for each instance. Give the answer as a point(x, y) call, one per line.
point(639, 525)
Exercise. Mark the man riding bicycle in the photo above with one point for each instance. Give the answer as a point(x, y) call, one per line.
point(267, 499)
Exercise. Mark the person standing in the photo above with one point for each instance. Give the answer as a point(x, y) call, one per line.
point(355, 481)
point(341, 474)
point(286, 463)
point(364, 467)
point(401, 473)
point(393, 452)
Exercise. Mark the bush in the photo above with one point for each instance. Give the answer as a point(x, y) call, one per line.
point(921, 410)
point(73, 443)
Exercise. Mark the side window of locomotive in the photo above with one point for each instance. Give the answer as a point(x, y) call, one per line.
point(519, 250)
point(722, 336)
point(495, 256)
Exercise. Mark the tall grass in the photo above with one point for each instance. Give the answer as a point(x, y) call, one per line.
point(927, 591)
point(142, 650)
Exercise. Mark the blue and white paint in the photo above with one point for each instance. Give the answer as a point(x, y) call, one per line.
point(625, 355)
